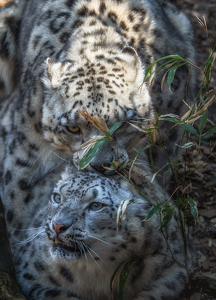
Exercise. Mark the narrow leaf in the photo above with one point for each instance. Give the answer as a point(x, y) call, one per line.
point(193, 208)
point(153, 211)
point(166, 172)
point(167, 217)
point(186, 126)
point(91, 154)
point(124, 275)
point(91, 142)
point(114, 277)
point(210, 131)
point(114, 127)
point(202, 100)
point(171, 75)
point(148, 72)
point(189, 128)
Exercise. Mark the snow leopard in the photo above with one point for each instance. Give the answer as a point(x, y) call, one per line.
point(92, 54)
point(70, 244)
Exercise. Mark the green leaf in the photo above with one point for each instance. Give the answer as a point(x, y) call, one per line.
point(210, 131)
point(208, 65)
point(167, 217)
point(193, 208)
point(114, 276)
point(114, 127)
point(153, 211)
point(157, 121)
point(148, 72)
point(166, 172)
point(171, 75)
point(91, 153)
point(186, 126)
point(124, 275)
point(114, 165)
point(174, 120)
point(189, 128)
point(202, 100)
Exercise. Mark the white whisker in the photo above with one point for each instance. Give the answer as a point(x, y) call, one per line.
point(94, 252)
point(29, 239)
point(99, 240)
point(84, 250)
point(93, 258)
point(25, 228)
point(79, 246)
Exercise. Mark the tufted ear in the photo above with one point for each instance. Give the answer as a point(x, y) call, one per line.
point(54, 72)
point(131, 64)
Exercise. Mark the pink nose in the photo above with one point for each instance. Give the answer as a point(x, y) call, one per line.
point(57, 227)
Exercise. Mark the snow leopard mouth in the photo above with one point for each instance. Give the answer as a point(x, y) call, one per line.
point(74, 248)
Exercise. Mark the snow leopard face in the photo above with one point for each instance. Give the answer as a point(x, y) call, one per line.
point(82, 216)
point(110, 87)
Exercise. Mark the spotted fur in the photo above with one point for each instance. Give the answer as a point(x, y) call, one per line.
point(69, 247)
point(93, 54)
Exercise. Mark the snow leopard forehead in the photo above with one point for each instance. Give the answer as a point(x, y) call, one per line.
point(87, 185)
point(110, 87)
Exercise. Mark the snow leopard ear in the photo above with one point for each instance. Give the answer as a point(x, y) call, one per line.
point(54, 72)
point(131, 64)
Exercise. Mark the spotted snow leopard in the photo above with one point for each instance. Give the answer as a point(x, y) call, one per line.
point(92, 54)
point(69, 247)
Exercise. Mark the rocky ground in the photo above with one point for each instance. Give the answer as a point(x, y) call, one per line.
point(203, 179)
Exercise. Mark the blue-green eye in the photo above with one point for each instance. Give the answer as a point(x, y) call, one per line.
point(56, 198)
point(96, 206)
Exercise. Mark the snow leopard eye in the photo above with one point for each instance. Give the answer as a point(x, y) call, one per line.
point(72, 129)
point(56, 198)
point(96, 206)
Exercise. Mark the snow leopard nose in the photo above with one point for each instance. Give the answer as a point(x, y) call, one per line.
point(59, 227)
